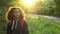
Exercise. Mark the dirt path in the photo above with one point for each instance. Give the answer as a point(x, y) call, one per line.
point(50, 17)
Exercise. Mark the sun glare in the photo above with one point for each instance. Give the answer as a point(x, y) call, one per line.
point(28, 2)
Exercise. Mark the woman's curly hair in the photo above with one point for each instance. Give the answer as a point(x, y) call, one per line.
point(9, 12)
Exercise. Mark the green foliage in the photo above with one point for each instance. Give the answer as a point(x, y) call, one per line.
point(46, 7)
point(36, 26)
point(57, 9)
point(3, 20)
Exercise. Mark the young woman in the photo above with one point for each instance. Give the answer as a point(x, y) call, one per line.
point(17, 23)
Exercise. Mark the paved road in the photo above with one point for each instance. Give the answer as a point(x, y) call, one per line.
point(50, 17)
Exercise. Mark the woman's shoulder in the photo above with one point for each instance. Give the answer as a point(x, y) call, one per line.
point(25, 22)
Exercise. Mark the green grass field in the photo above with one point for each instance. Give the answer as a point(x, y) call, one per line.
point(42, 25)
point(38, 25)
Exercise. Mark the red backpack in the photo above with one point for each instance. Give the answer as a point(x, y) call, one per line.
point(22, 23)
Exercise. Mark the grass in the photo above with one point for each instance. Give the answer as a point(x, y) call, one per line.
point(38, 25)
point(42, 25)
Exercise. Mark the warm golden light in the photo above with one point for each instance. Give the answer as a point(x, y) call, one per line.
point(28, 2)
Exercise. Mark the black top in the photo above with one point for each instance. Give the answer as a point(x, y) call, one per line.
point(18, 29)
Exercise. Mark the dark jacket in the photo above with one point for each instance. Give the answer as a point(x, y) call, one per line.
point(18, 30)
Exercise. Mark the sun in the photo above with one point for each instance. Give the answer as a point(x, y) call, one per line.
point(28, 2)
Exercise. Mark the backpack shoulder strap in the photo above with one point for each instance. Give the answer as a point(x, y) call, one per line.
point(10, 23)
point(22, 23)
